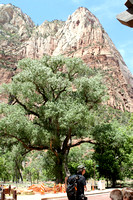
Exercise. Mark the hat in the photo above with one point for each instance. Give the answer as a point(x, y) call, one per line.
point(80, 168)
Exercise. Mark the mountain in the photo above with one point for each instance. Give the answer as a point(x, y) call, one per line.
point(81, 35)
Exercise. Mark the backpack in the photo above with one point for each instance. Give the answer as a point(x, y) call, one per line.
point(72, 186)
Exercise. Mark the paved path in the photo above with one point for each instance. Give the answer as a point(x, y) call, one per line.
point(92, 195)
point(104, 196)
point(29, 197)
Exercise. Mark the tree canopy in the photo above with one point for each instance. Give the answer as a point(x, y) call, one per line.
point(52, 101)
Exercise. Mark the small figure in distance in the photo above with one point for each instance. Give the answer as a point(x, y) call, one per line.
point(116, 195)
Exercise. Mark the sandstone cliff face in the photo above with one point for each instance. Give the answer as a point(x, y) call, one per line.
point(83, 36)
point(14, 21)
point(15, 28)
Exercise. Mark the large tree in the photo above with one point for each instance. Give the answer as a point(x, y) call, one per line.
point(52, 101)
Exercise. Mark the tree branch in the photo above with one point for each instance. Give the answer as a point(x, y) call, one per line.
point(24, 106)
point(42, 93)
point(26, 152)
point(64, 89)
point(94, 102)
point(83, 141)
point(29, 147)
point(54, 151)
point(53, 92)
point(65, 143)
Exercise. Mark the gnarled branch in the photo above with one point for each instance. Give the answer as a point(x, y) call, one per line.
point(83, 141)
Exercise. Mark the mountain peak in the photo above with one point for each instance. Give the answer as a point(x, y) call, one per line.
point(81, 35)
point(14, 16)
point(84, 15)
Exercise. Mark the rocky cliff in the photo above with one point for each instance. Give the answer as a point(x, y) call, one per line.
point(81, 35)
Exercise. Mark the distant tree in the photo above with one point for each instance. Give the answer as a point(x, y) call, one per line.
point(15, 159)
point(12, 162)
point(54, 100)
point(128, 148)
point(4, 173)
point(109, 151)
point(33, 167)
point(82, 155)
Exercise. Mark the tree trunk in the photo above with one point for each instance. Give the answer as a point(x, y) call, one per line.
point(37, 177)
point(59, 171)
point(107, 183)
point(67, 172)
point(19, 171)
point(61, 168)
point(30, 178)
point(113, 183)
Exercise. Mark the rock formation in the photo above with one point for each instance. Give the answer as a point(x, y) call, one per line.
point(81, 35)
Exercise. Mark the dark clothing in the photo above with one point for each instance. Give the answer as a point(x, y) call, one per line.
point(81, 182)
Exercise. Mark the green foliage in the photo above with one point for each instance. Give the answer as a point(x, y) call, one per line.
point(130, 123)
point(33, 167)
point(110, 152)
point(51, 169)
point(4, 173)
point(12, 163)
point(128, 148)
point(54, 100)
point(82, 155)
point(91, 170)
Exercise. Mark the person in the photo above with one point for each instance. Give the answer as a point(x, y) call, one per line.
point(116, 195)
point(81, 184)
point(127, 194)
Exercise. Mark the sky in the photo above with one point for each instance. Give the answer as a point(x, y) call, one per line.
point(104, 10)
